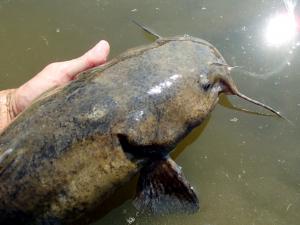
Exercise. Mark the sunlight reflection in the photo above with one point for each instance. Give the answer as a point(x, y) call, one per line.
point(282, 28)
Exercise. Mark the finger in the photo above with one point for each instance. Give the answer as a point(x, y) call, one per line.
point(94, 57)
point(60, 73)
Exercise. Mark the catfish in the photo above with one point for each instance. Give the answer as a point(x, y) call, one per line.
point(76, 145)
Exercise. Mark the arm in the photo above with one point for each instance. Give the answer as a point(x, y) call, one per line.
point(14, 101)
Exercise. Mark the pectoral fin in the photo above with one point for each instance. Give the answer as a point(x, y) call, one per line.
point(163, 189)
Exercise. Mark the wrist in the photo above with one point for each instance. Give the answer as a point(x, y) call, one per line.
point(7, 107)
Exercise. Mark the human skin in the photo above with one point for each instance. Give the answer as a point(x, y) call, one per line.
point(14, 101)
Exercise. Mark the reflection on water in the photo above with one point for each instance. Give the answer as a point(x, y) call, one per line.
point(280, 33)
point(245, 168)
point(282, 27)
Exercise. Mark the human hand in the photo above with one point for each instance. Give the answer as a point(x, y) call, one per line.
point(14, 101)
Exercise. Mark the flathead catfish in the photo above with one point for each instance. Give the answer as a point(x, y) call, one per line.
point(74, 146)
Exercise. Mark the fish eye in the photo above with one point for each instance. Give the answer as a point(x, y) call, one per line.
point(206, 86)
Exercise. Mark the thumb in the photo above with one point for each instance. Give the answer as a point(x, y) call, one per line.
point(94, 57)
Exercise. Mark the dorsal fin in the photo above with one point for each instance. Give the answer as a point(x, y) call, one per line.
point(148, 30)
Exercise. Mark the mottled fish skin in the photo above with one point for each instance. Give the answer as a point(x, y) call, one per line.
point(63, 155)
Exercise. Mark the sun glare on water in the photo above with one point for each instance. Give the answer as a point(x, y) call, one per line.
point(282, 27)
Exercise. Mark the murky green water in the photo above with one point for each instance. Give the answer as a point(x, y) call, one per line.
point(246, 168)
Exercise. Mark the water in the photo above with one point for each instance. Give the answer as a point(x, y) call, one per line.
point(245, 168)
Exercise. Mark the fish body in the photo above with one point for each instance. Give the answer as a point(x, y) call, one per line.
point(75, 146)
